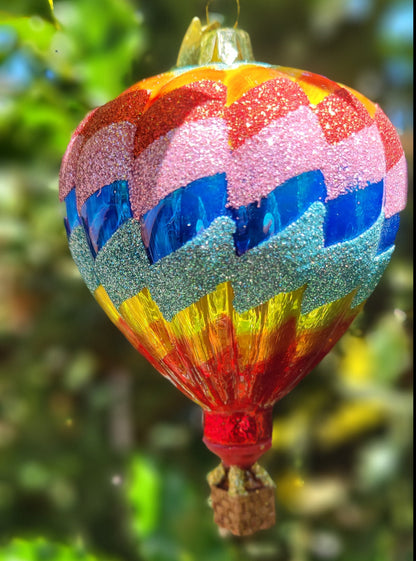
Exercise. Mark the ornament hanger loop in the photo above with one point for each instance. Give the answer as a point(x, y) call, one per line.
point(238, 12)
point(211, 43)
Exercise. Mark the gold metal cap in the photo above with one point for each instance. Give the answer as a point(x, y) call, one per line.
point(212, 43)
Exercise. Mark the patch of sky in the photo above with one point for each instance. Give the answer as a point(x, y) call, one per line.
point(17, 71)
point(399, 71)
point(358, 10)
point(396, 24)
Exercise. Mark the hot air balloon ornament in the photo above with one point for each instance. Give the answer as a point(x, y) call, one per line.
point(232, 217)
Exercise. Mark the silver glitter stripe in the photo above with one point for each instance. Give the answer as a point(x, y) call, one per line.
point(122, 265)
point(276, 265)
point(290, 259)
point(194, 270)
point(176, 281)
point(81, 254)
point(380, 263)
point(340, 268)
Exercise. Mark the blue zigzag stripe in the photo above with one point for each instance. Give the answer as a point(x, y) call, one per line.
point(183, 214)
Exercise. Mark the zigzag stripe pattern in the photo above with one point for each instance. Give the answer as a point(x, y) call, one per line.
point(209, 259)
point(140, 139)
point(232, 221)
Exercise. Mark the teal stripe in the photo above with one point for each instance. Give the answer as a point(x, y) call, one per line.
point(81, 254)
point(287, 261)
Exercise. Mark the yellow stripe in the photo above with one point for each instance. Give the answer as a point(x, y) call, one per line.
point(106, 304)
point(204, 329)
point(143, 316)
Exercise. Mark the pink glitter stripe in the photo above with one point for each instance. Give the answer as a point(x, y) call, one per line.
point(287, 147)
point(67, 173)
point(194, 150)
point(396, 188)
point(106, 157)
point(295, 144)
point(354, 162)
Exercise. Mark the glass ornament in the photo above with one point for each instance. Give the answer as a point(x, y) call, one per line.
point(232, 217)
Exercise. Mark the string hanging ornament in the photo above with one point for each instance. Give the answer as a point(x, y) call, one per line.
point(232, 217)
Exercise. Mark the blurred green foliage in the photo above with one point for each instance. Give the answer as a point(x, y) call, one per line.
point(97, 452)
point(41, 550)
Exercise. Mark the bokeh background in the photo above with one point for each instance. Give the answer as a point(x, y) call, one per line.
point(100, 457)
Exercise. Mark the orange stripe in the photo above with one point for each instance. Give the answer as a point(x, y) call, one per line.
point(152, 83)
point(195, 75)
point(245, 77)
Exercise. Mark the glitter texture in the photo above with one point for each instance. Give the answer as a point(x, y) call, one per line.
point(346, 264)
point(200, 100)
point(178, 217)
point(105, 158)
point(260, 106)
point(197, 149)
point(128, 107)
point(396, 177)
point(392, 145)
point(81, 254)
point(373, 276)
point(122, 264)
point(275, 266)
point(285, 148)
point(354, 162)
point(341, 114)
point(234, 219)
point(296, 144)
point(67, 173)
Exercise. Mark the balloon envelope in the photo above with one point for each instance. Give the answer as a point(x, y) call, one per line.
point(232, 221)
